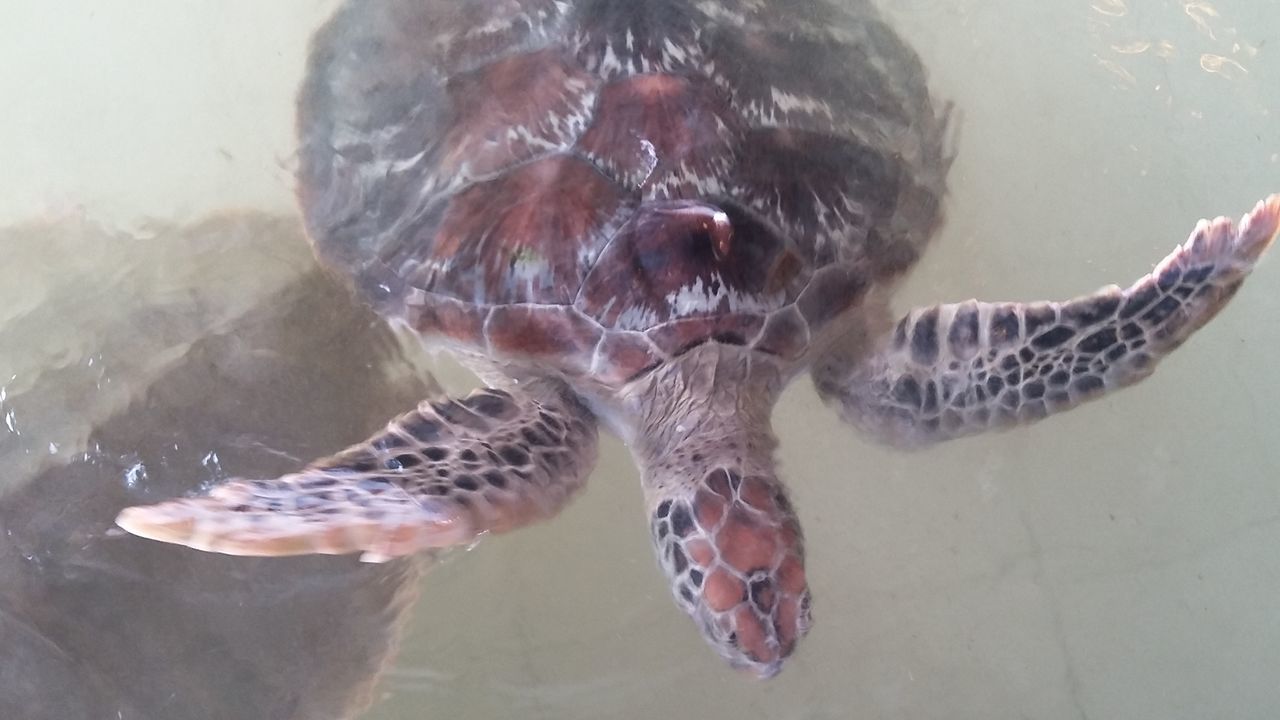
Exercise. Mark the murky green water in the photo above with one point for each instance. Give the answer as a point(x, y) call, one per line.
point(162, 326)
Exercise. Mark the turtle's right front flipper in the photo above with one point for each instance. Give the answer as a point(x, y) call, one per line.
point(954, 370)
point(435, 477)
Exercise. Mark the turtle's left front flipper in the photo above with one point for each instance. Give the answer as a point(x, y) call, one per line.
point(954, 370)
point(435, 477)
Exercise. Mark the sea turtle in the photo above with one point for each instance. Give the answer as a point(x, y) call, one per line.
point(652, 216)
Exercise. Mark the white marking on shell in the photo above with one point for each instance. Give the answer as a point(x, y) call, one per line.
point(650, 160)
point(705, 182)
point(444, 44)
point(554, 132)
point(788, 102)
point(699, 298)
point(495, 26)
point(520, 133)
point(717, 11)
point(636, 317)
point(597, 355)
point(672, 53)
point(609, 64)
point(403, 164)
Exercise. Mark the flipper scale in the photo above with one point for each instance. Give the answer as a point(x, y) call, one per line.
point(435, 477)
point(953, 370)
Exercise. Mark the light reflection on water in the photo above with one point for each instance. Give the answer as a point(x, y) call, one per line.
point(236, 380)
point(1118, 561)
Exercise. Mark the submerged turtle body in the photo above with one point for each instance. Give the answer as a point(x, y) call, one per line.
point(606, 184)
point(653, 215)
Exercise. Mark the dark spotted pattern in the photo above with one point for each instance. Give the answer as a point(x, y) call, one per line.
point(733, 552)
point(463, 156)
point(959, 369)
point(437, 476)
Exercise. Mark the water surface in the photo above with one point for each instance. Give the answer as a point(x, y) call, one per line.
point(162, 326)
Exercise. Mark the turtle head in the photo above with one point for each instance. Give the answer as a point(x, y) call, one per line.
point(724, 529)
point(733, 553)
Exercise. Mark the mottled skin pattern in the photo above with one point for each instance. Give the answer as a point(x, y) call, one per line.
point(656, 214)
point(725, 531)
point(954, 370)
point(435, 477)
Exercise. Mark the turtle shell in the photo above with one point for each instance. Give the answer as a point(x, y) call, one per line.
point(600, 185)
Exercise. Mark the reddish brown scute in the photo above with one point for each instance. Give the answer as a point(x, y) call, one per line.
point(599, 185)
